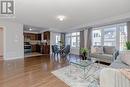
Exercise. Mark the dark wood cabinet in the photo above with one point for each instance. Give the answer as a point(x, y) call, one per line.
point(33, 48)
point(46, 35)
point(38, 36)
point(38, 48)
point(32, 36)
point(45, 49)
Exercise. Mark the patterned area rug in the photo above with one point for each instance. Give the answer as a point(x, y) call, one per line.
point(74, 76)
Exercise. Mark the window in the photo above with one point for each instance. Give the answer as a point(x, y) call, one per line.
point(113, 35)
point(96, 38)
point(123, 37)
point(57, 39)
point(73, 39)
point(109, 36)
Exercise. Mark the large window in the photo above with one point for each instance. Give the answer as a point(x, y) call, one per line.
point(57, 39)
point(73, 39)
point(96, 38)
point(113, 35)
point(123, 37)
point(109, 36)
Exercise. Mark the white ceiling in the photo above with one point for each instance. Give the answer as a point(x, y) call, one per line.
point(42, 13)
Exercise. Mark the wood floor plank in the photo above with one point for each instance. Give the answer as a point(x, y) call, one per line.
point(33, 71)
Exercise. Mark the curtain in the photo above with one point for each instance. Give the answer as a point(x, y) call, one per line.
point(81, 40)
point(89, 38)
point(128, 30)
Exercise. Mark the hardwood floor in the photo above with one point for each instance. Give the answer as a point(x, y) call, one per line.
point(33, 72)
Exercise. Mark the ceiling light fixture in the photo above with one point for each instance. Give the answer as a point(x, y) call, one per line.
point(30, 29)
point(61, 17)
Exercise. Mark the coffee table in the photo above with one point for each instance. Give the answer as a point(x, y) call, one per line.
point(86, 65)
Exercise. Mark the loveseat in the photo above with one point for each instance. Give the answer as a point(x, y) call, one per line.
point(108, 54)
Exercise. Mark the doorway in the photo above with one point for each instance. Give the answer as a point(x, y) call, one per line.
point(1, 43)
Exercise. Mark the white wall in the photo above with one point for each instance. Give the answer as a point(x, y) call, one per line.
point(13, 40)
point(1, 42)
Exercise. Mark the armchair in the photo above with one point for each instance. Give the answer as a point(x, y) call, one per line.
point(113, 78)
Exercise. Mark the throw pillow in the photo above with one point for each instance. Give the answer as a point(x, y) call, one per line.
point(97, 49)
point(125, 57)
point(93, 50)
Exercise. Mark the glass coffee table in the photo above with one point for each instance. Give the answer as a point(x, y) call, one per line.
point(85, 65)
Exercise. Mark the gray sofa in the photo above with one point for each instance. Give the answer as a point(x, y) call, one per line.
point(109, 54)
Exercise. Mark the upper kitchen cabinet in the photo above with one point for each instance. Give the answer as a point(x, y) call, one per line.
point(46, 35)
point(38, 36)
point(32, 36)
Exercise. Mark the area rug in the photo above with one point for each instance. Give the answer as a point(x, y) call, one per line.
point(73, 75)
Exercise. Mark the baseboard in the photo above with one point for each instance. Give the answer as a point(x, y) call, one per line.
point(14, 58)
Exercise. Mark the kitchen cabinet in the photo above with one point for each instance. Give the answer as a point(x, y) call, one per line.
point(46, 35)
point(38, 48)
point(32, 36)
point(38, 36)
point(33, 48)
point(45, 49)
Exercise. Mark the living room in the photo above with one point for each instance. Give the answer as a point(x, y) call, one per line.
point(64, 43)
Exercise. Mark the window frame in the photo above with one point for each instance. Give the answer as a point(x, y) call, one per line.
point(117, 34)
point(56, 39)
point(69, 35)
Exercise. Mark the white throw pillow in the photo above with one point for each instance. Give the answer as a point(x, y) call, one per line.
point(125, 57)
point(97, 49)
point(93, 50)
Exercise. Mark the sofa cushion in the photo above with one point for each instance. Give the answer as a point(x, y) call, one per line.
point(93, 49)
point(97, 49)
point(101, 56)
point(95, 55)
point(106, 56)
point(109, 49)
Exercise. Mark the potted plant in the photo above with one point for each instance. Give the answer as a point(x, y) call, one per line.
point(84, 52)
point(128, 45)
point(61, 43)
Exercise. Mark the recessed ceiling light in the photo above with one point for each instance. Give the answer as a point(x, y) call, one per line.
point(61, 17)
point(30, 29)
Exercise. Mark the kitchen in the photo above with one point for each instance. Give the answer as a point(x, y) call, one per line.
point(36, 43)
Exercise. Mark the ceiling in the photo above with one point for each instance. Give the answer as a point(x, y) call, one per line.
point(34, 29)
point(42, 13)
